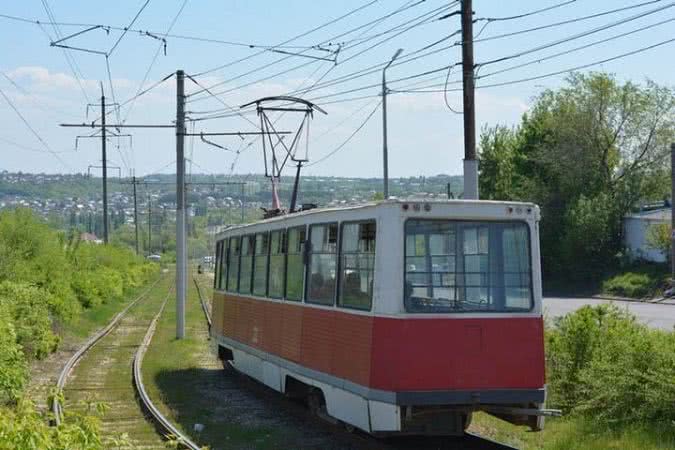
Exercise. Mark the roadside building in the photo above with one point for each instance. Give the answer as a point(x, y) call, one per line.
point(636, 229)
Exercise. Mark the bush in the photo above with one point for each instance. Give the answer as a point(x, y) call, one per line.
point(13, 371)
point(605, 365)
point(629, 284)
point(29, 311)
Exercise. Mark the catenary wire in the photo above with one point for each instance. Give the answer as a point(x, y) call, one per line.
point(346, 141)
point(32, 130)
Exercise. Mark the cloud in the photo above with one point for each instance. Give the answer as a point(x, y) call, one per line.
point(40, 79)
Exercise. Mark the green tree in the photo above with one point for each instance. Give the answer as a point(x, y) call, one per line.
point(586, 153)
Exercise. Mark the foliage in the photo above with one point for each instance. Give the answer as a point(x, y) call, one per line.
point(603, 364)
point(658, 238)
point(13, 370)
point(629, 284)
point(22, 427)
point(29, 309)
point(586, 153)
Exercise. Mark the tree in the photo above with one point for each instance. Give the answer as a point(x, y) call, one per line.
point(586, 153)
point(658, 238)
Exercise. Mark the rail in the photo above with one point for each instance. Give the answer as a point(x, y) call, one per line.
point(156, 414)
point(57, 408)
point(207, 312)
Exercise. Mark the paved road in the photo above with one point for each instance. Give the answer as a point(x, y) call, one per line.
point(655, 315)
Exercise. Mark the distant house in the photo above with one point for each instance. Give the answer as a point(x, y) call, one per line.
point(635, 232)
point(90, 237)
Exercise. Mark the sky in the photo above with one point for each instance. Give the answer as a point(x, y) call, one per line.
point(234, 53)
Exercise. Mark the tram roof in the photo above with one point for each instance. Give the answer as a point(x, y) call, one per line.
point(380, 204)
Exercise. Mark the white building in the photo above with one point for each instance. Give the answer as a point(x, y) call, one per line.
point(635, 232)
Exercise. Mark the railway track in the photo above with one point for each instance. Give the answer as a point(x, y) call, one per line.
point(102, 370)
point(108, 368)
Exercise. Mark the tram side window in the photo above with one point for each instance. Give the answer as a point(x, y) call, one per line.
point(322, 263)
point(277, 264)
point(246, 264)
point(453, 266)
point(233, 272)
point(224, 263)
point(295, 265)
point(357, 265)
point(216, 273)
point(260, 264)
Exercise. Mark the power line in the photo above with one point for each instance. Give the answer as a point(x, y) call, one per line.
point(565, 22)
point(538, 77)
point(147, 72)
point(521, 16)
point(575, 49)
point(294, 38)
point(32, 130)
point(112, 49)
point(69, 58)
point(346, 141)
point(33, 97)
point(420, 21)
point(578, 35)
point(333, 38)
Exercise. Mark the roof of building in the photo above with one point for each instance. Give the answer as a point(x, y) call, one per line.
point(661, 214)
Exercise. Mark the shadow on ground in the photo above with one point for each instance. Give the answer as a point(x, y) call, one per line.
point(240, 413)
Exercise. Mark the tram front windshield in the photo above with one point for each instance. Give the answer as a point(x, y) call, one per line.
point(460, 266)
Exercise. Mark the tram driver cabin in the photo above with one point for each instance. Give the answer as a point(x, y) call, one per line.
point(397, 317)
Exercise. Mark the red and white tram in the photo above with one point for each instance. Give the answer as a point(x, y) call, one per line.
point(392, 317)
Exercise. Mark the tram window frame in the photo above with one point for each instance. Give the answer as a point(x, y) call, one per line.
point(230, 278)
point(302, 243)
point(216, 273)
point(281, 255)
point(224, 263)
point(341, 253)
point(459, 257)
point(310, 258)
point(250, 254)
point(265, 256)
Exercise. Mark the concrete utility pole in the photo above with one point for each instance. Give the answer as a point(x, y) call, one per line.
point(385, 151)
point(135, 214)
point(104, 162)
point(181, 247)
point(149, 225)
point(470, 161)
point(672, 209)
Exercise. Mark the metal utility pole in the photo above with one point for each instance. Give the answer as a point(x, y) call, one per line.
point(181, 247)
point(135, 214)
point(672, 210)
point(385, 155)
point(104, 162)
point(470, 161)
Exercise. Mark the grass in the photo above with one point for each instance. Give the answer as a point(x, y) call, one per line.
point(575, 433)
point(185, 381)
point(104, 374)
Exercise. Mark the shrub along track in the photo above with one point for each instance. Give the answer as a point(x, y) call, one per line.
point(189, 386)
point(103, 372)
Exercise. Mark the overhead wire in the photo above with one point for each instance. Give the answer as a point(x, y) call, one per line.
point(66, 54)
point(346, 141)
point(32, 130)
point(333, 38)
point(294, 38)
point(565, 22)
point(126, 29)
point(578, 35)
point(428, 89)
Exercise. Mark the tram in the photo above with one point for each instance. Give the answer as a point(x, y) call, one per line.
point(394, 317)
